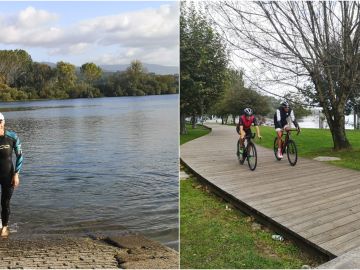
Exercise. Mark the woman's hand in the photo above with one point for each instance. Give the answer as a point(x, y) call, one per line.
point(15, 180)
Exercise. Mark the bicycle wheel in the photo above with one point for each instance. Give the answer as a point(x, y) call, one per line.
point(291, 151)
point(276, 148)
point(251, 156)
point(240, 156)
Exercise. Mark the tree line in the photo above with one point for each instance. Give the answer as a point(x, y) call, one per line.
point(313, 46)
point(208, 85)
point(310, 46)
point(23, 79)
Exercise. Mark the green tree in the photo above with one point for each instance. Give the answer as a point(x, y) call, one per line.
point(91, 72)
point(14, 65)
point(237, 97)
point(40, 74)
point(203, 65)
point(136, 69)
point(66, 75)
point(317, 41)
point(135, 76)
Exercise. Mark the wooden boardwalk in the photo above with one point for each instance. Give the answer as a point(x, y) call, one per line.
point(315, 201)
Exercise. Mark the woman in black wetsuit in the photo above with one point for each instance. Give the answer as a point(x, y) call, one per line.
point(9, 176)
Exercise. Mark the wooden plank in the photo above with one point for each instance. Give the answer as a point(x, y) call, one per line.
point(333, 230)
point(317, 213)
point(299, 197)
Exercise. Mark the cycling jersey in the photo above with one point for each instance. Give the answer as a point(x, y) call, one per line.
point(246, 123)
point(281, 118)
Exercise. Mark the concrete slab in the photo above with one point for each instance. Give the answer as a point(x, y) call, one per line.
point(58, 252)
point(184, 175)
point(322, 158)
point(143, 253)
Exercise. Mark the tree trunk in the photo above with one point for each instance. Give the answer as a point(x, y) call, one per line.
point(355, 124)
point(193, 121)
point(356, 116)
point(222, 120)
point(337, 128)
point(183, 129)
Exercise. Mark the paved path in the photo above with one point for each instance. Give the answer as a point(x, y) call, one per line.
point(130, 251)
point(317, 202)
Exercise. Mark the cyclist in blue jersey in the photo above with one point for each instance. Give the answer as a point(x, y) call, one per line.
point(9, 175)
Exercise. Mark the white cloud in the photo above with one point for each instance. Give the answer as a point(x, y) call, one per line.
point(30, 27)
point(142, 28)
point(74, 49)
point(147, 33)
point(31, 17)
point(168, 56)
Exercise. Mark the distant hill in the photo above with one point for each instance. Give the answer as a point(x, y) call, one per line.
point(50, 64)
point(158, 69)
point(152, 68)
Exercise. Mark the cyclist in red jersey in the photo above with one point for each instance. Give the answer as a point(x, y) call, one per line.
point(243, 128)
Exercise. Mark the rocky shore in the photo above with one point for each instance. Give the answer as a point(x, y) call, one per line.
point(58, 252)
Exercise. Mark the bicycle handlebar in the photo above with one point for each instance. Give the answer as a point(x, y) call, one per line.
point(297, 133)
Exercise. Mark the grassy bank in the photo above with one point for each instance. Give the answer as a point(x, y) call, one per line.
point(213, 235)
point(193, 133)
point(318, 142)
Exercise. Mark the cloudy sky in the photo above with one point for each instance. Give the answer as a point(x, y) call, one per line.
point(100, 32)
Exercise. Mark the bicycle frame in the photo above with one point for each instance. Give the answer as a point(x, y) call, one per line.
point(249, 155)
point(287, 133)
point(288, 147)
point(248, 138)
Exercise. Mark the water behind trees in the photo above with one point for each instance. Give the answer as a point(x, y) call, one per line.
point(99, 166)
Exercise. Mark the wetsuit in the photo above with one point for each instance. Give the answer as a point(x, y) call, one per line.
point(8, 143)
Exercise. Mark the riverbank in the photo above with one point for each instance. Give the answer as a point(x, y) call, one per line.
point(132, 251)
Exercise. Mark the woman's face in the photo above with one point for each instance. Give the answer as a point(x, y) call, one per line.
point(2, 124)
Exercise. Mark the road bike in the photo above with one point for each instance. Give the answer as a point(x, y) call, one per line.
point(288, 146)
point(249, 152)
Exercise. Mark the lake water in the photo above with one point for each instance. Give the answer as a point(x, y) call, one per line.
point(97, 166)
point(312, 121)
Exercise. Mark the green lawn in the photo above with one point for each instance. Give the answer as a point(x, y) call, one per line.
point(193, 133)
point(214, 237)
point(318, 142)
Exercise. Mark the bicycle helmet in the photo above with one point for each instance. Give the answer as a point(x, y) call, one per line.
point(248, 112)
point(285, 104)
